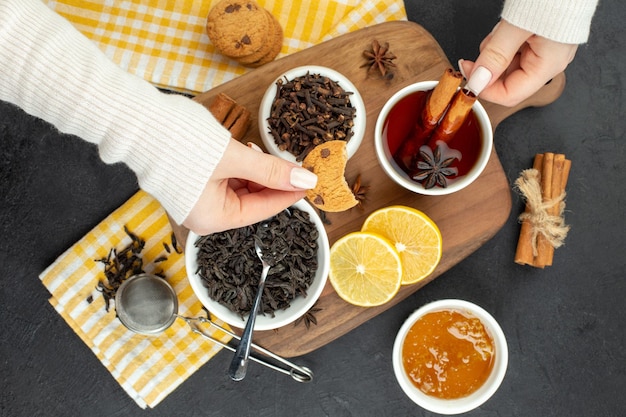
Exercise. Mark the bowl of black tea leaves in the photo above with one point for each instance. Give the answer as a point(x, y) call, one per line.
point(224, 269)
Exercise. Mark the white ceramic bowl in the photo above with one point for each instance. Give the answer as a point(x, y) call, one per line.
point(478, 397)
point(355, 100)
point(402, 178)
point(298, 306)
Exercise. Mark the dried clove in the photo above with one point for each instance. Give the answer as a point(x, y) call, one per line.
point(119, 266)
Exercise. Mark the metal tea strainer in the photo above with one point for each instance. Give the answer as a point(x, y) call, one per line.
point(147, 304)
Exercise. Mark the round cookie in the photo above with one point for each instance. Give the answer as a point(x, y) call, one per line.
point(238, 28)
point(332, 192)
point(272, 47)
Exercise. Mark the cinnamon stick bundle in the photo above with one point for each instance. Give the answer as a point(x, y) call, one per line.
point(543, 228)
point(233, 116)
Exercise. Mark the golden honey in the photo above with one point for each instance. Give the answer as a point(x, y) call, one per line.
point(448, 354)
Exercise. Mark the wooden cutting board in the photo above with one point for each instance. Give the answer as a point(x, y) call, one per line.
point(467, 219)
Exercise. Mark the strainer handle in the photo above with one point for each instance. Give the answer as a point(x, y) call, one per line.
point(298, 373)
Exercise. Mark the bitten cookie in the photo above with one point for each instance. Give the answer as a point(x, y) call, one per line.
point(332, 192)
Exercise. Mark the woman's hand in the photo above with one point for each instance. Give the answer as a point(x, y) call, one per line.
point(514, 63)
point(246, 187)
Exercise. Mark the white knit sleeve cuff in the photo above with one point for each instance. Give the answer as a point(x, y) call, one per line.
point(173, 151)
point(566, 21)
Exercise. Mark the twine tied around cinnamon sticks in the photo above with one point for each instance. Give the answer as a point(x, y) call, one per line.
point(543, 227)
point(552, 227)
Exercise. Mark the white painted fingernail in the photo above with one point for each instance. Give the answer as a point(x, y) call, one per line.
point(254, 146)
point(478, 80)
point(303, 178)
point(460, 64)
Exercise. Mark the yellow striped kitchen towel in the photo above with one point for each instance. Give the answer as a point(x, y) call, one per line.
point(147, 367)
point(165, 41)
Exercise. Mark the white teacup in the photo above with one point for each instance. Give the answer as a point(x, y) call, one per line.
point(394, 171)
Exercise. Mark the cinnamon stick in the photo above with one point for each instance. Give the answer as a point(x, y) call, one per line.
point(455, 116)
point(233, 116)
point(436, 104)
point(547, 171)
point(545, 251)
point(440, 98)
point(524, 253)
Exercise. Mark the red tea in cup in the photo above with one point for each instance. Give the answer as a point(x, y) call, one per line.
point(404, 123)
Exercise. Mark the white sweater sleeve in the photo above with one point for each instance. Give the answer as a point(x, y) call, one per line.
point(52, 71)
point(566, 21)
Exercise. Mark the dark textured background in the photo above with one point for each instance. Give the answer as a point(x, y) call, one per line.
point(564, 324)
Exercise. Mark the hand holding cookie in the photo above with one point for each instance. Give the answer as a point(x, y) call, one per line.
point(246, 187)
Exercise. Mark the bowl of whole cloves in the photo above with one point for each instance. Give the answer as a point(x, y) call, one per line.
point(224, 269)
point(307, 106)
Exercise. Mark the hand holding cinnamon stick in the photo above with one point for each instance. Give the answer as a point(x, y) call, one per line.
point(460, 106)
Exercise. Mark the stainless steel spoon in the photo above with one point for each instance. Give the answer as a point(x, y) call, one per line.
point(239, 364)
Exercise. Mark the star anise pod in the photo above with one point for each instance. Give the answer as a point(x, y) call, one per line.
point(432, 169)
point(379, 57)
point(308, 318)
point(359, 190)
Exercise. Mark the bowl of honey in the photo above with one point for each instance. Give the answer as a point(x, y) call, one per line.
point(416, 158)
point(450, 356)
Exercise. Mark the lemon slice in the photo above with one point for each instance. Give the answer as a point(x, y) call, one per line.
point(365, 269)
point(415, 236)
